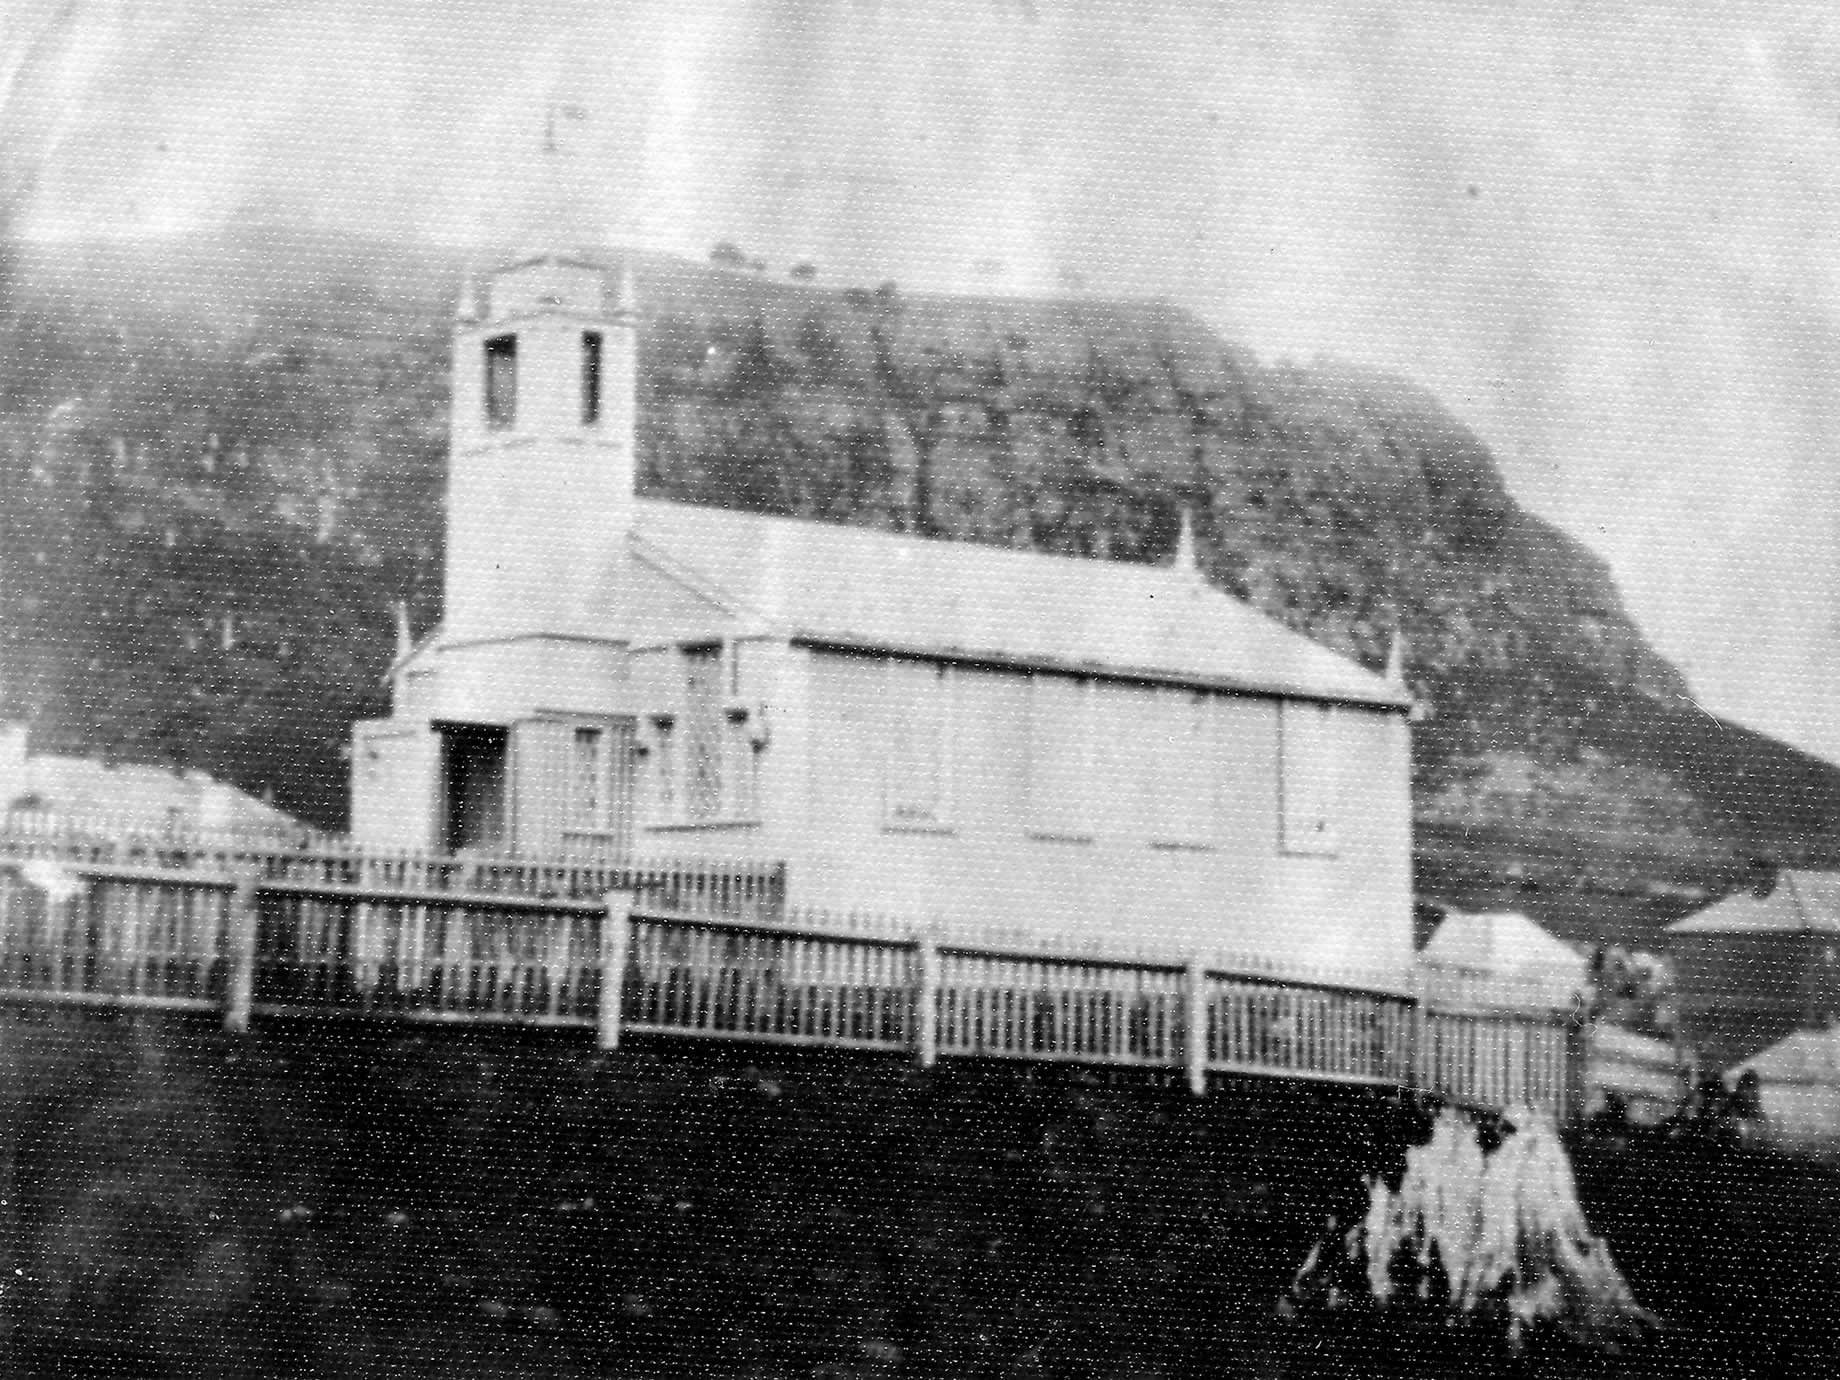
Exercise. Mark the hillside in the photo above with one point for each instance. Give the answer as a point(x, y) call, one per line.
point(224, 461)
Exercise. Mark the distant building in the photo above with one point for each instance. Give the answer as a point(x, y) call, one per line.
point(1798, 1090)
point(51, 791)
point(1504, 957)
point(925, 728)
point(1507, 961)
point(1758, 965)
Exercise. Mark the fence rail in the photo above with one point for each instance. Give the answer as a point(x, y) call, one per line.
point(729, 888)
point(267, 941)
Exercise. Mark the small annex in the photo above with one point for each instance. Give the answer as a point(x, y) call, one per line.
point(946, 732)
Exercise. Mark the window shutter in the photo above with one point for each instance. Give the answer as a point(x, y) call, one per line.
point(918, 767)
point(1182, 760)
point(703, 734)
point(1310, 776)
point(1060, 756)
point(540, 784)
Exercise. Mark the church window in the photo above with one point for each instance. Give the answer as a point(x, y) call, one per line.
point(743, 765)
point(590, 377)
point(501, 381)
point(664, 767)
point(1309, 776)
point(703, 732)
point(588, 789)
point(1060, 757)
point(705, 755)
point(919, 761)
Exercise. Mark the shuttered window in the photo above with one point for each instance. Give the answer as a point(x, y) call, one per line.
point(1310, 776)
point(663, 761)
point(1060, 756)
point(743, 767)
point(588, 780)
point(703, 732)
point(1181, 760)
point(919, 761)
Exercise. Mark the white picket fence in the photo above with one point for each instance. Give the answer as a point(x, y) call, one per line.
point(271, 937)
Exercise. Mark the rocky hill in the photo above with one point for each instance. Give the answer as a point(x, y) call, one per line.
point(224, 461)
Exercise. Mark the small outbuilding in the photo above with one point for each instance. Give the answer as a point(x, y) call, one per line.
point(1798, 1090)
point(1759, 965)
point(48, 790)
point(1502, 957)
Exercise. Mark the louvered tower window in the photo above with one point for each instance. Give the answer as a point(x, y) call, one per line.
point(501, 381)
point(590, 377)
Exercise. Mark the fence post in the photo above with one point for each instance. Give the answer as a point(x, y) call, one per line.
point(1577, 1066)
point(616, 934)
point(1416, 1035)
point(1194, 1026)
point(926, 1002)
point(240, 937)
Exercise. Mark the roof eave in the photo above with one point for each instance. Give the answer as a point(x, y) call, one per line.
point(1382, 696)
point(421, 644)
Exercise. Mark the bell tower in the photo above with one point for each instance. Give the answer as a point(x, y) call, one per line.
point(496, 718)
point(540, 477)
point(540, 466)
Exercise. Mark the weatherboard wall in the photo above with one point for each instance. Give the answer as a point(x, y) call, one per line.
point(1742, 992)
point(1121, 878)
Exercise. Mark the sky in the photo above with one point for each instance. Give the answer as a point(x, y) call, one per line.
point(1606, 235)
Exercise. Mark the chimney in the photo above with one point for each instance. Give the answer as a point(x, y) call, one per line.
point(1186, 560)
point(405, 640)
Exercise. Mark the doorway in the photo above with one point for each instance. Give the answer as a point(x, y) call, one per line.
point(473, 759)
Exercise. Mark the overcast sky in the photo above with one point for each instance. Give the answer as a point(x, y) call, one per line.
point(1604, 234)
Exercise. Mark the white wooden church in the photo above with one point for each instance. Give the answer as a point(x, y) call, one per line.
point(937, 729)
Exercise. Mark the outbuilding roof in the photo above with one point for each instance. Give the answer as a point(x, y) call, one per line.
point(83, 787)
point(858, 587)
point(1500, 941)
point(1807, 1056)
point(1800, 903)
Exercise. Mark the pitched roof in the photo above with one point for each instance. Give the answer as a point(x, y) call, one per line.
point(1502, 941)
point(1807, 1056)
point(1800, 903)
point(83, 786)
point(859, 587)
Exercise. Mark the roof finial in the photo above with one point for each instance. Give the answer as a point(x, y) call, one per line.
point(625, 295)
point(559, 223)
point(1186, 559)
point(405, 640)
point(467, 312)
point(1396, 657)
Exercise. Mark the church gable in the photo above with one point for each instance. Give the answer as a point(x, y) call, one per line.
point(666, 600)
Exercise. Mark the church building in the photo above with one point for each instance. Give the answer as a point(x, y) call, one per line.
point(940, 730)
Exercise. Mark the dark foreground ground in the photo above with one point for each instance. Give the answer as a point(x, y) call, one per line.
point(321, 1201)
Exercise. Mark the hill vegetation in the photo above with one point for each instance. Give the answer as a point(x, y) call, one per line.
point(224, 458)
